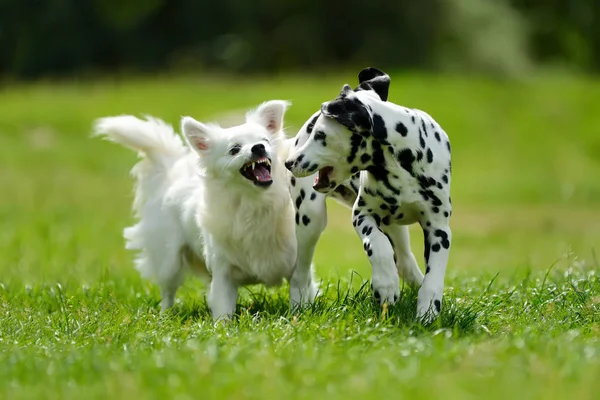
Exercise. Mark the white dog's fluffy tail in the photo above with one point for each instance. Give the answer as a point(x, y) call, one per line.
point(156, 142)
point(152, 137)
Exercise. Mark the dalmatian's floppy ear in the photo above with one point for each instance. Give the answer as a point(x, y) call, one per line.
point(373, 79)
point(348, 111)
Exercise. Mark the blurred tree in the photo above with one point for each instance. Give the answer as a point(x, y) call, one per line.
point(65, 37)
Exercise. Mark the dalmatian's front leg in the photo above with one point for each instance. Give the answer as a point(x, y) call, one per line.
point(405, 260)
point(438, 238)
point(384, 281)
point(311, 220)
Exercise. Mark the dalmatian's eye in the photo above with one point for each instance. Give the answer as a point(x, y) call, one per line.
point(235, 149)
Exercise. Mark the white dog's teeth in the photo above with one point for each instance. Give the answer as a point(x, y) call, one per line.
point(253, 164)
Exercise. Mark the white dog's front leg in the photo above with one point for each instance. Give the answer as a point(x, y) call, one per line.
point(437, 249)
point(385, 281)
point(223, 295)
point(311, 220)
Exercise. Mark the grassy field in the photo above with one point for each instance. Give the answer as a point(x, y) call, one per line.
point(521, 315)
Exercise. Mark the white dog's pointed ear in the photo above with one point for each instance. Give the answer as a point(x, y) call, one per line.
point(197, 134)
point(270, 115)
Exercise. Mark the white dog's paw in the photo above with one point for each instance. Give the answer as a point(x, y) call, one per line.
point(429, 305)
point(386, 290)
point(303, 297)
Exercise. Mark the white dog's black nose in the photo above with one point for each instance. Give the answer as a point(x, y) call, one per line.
point(259, 150)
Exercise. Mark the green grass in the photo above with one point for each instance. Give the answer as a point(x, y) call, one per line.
point(521, 315)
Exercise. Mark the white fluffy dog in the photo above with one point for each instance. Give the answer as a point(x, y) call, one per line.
point(220, 206)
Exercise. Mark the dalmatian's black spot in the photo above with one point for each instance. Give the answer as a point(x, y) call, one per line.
point(427, 270)
point(305, 165)
point(389, 199)
point(332, 184)
point(400, 216)
point(421, 139)
point(305, 220)
point(426, 245)
point(413, 119)
point(435, 209)
point(360, 220)
point(355, 142)
point(312, 168)
point(299, 159)
point(361, 202)
point(354, 169)
point(366, 230)
point(377, 219)
point(438, 305)
point(293, 181)
point(298, 202)
point(296, 142)
point(365, 158)
point(369, 191)
point(384, 206)
point(406, 158)
point(367, 247)
point(444, 241)
point(445, 178)
point(313, 195)
point(448, 146)
point(393, 209)
point(379, 129)
point(424, 128)
point(320, 137)
point(435, 247)
point(363, 144)
point(355, 212)
point(439, 185)
point(428, 223)
point(302, 194)
point(297, 218)
point(312, 123)
point(419, 156)
point(349, 112)
point(446, 214)
point(370, 210)
point(401, 128)
point(429, 156)
point(386, 220)
point(437, 136)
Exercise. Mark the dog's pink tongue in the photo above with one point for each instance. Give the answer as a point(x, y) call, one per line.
point(261, 173)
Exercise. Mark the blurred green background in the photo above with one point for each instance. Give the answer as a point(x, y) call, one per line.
point(502, 37)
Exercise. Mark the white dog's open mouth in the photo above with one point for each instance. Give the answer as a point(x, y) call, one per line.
point(258, 172)
point(322, 181)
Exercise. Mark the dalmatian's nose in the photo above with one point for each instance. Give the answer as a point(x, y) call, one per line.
point(289, 164)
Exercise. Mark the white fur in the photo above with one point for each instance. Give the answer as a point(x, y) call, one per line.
point(196, 210)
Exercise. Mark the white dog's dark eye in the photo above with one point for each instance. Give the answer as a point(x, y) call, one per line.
point(235, 149)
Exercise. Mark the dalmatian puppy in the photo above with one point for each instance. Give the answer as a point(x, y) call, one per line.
point(311, 208)
point(403, 159)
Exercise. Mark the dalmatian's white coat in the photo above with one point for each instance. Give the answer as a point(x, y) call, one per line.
point(399, 159)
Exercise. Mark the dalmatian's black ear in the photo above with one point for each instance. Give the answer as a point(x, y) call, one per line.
point(373, 79)
point(348, 111)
